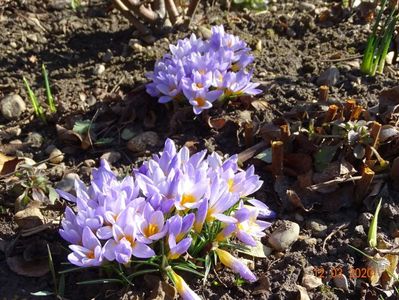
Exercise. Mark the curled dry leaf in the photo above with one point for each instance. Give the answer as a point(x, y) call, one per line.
point(20, 266)
point(29, 217)
point(8, 164)
point(296, 200)
point(377, 265)
point(216, 123)
point(260, 105)
point(68, 136)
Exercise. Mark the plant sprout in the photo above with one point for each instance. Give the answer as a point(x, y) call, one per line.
point(50, 98)
point(35, 103)
point(378, 42)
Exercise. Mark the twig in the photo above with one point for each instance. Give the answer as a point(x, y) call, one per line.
point(250, 152)
point(127, 14)
point(277, 158)
point(172, 11)
point(342, 59)
point(191, 12)
point(139, 9)
point(332, 233)
point(325, 184)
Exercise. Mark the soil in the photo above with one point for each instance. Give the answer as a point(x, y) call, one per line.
point(291, 47)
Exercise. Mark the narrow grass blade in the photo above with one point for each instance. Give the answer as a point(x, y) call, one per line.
point(50, 98)
point(35, 103)
point(187, 269)
point(372, 234)
point(100, 281)
point(142, 272)
point(52, 269)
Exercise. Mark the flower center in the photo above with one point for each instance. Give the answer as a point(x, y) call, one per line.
point(90, 254)
point(230, 184)
point(201, 101)
point(130, 239)
point(199, 85)
point(187, 198)
point(235, 67)
point(151, 230)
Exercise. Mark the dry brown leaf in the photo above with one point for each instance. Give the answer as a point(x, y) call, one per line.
point(260, 105)
point(8, 164)
point(296, 200)
point(377, 265)
point(20, 266)
point(68, 136)
point(302, 293)
point(217, 123)
point(29, 217)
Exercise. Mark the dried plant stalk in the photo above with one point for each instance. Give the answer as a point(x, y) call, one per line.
point(249, 134)
point(172, 11)
point(277, 158)
point(356, 112)
point(191, 11)
point(323, 93)
point(285, 132)
point(250, 152)
point(331, 113)
point(140, 10)
point(349, 106)
point(395, 173)
point(374, 134)
point(128, 15)
point(363, 184)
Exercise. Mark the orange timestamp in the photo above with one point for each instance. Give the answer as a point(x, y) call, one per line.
point(334, 272)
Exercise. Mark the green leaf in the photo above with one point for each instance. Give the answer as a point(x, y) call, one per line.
point(188, 269)
point(103, 141)
point(52, 195)
point(61, 285)
point(265, 155)
point(142, 272)
point(42, 294)
point(324, 156)
point(100, 281)
point(372, 234)
point(82, 127)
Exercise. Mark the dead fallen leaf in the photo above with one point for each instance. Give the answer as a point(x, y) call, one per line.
point(68, 136)
point(377, 265)
point(8, 164)
point(302, 293)
point(260, 105)
point(217, 123)
point(29, 217)
point(259, 251)
point(20, 266)
point(296, 200)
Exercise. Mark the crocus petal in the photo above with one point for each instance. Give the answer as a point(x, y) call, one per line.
point(235, 264)
point(141, 250)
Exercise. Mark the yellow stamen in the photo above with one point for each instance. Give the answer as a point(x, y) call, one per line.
point(187, 198)
point(235, 67)
point(230, 184)
point(130, 240)
point(209, 213)
point(200, 101)
point(151, 230)
point(90, 255)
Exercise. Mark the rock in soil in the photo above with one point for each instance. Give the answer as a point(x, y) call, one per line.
point(311, 282)
point(329, 77)
point(140, 142)
point(29, 217)
point(284, 236)
point(56, 156)
point(12, 106)
point(111, 157)
point(67, 184)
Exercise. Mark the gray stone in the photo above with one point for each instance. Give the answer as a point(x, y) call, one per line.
point(67, 184)
point(35, 139)
point(318, 227)
point(341, 282)
point(140, 142)
point(99, 69)
point(111, 157)
point(329, 77)
point(307, 6)
point(284, 236)
point(12, 106)
point(56, 156)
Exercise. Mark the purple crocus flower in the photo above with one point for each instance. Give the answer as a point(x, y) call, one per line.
point(124, 243)
point(235, 265)
point(176, 249)
point(152, 225)
point(202, 99)
point(88, 254)
point(236, 84)
point(71, 231)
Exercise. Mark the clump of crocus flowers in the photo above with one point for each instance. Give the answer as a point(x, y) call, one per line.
point(201, 72)
point(177, 212)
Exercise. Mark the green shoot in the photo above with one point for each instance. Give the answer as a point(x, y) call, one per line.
point(75, 4)
point(378, 44)
point(52, 269)
point(50, 98)
point(372, 234)
point(35, 103)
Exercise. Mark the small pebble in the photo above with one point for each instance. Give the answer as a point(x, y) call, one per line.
point(318, 227)
point(111, 157)
point(341, 282)
point(99, 69)
point(140, 142)
point(35, 139)
point(284, 236)
point(12, 106)
point(67, 184)
point(56, 156)
point(89, 163)
point(311, 282)
point(329, 77)
point(307, 6)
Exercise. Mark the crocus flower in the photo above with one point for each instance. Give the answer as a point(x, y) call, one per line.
point(200, 72)
point(88, 254)
point(181, 286)
point(177, 249)
point(236, 265)
point(152, 224)
point(71, 231)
